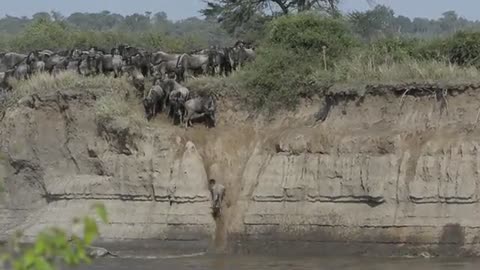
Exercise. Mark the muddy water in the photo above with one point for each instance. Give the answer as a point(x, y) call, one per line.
point(208, 262)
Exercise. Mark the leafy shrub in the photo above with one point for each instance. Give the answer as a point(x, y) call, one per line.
point(308, 31)
point(464, 48)
point(434, 49)
point(279, 77)
point(395, 49)
point(54, 245)
point(43, 34)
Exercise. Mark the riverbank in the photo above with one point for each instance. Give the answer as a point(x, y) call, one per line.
point(391, 171)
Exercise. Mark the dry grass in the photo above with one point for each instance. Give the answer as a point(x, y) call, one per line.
point(43, 84)
point(352, 75)
point(361, 71)
point(117, 108)
point(218, 86)
point(115, 97)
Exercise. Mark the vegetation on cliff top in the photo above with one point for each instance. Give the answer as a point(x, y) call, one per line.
point(115, 98)
point(298, 55)
point(306, 54)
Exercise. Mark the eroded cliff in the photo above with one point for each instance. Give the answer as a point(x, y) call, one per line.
point(393, 169)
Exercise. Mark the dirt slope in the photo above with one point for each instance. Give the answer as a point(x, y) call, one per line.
point(383, 172)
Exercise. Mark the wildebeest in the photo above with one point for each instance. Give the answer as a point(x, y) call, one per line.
point(217, 191)
point(142, 61)
point(55, 62)
point(177, 95)
point(242, 53)
point(107, 63)
point(192, 64)
point(154, 101)
point(10, 59)
point(200, 107)
point(160, 56)
point(224, 61)
point(4, 84)
point(164, 69)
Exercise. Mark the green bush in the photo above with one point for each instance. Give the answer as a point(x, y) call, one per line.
point(464, 48)
point(308, 31)
point(290, 63)
point(279, 77)
point(434, 49)
point(53, 246)
point(395, 49)
point(43, 34)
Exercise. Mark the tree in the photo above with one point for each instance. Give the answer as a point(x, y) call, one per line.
point(137, 22)
point(373, 23)
point(403, 24)
point(233, 13)
point(449, 21)
point(43, 34)
point(42, 16)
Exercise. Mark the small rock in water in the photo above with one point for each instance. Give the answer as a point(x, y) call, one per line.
point(426, 255)
point(97, 252)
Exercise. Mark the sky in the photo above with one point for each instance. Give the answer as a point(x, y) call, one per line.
point(180, 9)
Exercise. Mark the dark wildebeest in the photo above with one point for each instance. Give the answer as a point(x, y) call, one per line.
point(200, 107)
point(177, 95)
point(107, 63)
point(223, 61)
point(55, 62)
point(142, 61)
point(154, 101)
point(242, 54)
point(10, 60)
point(217, 191)
point(159, 57)
point(22, 70)
point(192, 64)
point(4, 83)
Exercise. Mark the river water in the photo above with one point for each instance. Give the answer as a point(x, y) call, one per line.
point(217, 262)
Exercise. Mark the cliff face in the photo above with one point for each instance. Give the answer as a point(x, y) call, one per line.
point(384, 172)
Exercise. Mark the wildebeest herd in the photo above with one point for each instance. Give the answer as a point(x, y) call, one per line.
point(166, 70)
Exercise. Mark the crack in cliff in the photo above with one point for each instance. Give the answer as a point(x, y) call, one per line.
point(397, 187)
point(151, 180)
point(63, 107)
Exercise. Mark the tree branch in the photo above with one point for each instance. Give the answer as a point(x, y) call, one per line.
point(282, 5)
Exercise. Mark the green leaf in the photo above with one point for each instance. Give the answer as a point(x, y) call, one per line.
point(90, 230)
point(42, 264)
point(82, 255)
point(40, 245)
point(68, 256)
point(101, 212)
point(29, 259)
point(18, 264)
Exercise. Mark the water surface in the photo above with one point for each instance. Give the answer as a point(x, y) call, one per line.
point(217, 262)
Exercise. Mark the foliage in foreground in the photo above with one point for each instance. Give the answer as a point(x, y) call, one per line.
point(54, 246)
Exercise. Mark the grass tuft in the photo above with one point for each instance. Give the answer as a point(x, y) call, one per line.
point(43, 84)
point(115, 97)
point(360, 71)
